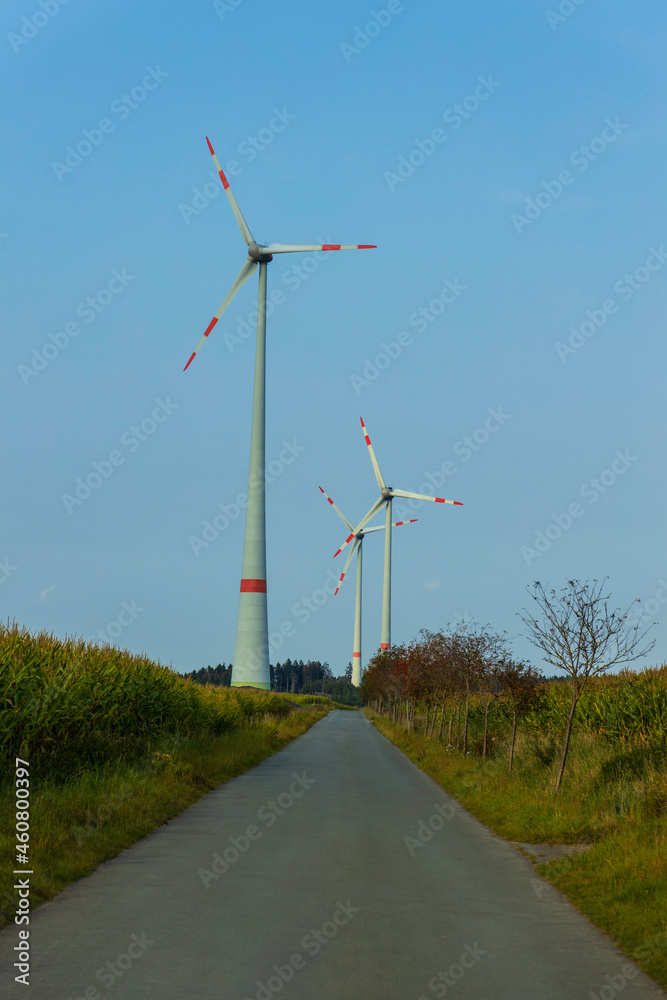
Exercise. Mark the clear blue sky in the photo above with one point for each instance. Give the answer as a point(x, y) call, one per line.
point(339, 135)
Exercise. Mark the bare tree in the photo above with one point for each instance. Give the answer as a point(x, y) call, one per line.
point(578, 633)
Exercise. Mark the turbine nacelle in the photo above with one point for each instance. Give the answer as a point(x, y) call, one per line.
point(258, 253)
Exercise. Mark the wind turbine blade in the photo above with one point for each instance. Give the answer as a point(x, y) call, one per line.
point(421, 496)
point(243, 225)
point(348, 524)
point(396, 524)
point(376, 467)
point(354, 548)
point(374, 509)
point(248, 268)
point(305, 247)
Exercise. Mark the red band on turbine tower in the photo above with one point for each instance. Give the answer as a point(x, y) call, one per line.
point(385, 645)
point(356, 654)
point(253, 586)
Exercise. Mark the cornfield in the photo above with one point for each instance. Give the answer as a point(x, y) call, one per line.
point(55, 692)
point(626, 708)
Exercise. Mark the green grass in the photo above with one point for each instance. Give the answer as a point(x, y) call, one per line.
point(315, 699)
point(609, 800)
point(78, 822)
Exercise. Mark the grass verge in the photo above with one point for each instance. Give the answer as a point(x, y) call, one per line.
point(620, 883)
point(78, 823)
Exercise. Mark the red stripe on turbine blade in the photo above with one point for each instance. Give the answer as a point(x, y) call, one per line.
point(439, 500)
point(385, 645)
point(413, 521)
point(330, 501)
point(225, 182)
point(337, 553)
point(210, 326)
point(349, 539)
point(459, 503)
point(210, 146)
point(366, 246)
point(253, 586)
point(368, 440)
point(321, 490)
point(190, 361)
point(331, 246)
point(399, 523)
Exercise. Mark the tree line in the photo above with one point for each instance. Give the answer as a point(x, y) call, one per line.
point(441, 676)
point(292, 677)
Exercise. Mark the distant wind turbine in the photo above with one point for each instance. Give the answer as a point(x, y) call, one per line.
point(251, 653)
point(357, 547)
point(387, 494)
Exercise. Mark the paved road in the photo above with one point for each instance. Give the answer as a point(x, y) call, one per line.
point(319, 896)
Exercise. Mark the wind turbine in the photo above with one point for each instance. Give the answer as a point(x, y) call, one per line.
point(387, 494)
point(251, 652)
point(357, 547)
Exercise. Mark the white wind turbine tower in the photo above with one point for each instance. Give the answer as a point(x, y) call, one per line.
point(358, 548)
point(387, 494)
point(251, 652)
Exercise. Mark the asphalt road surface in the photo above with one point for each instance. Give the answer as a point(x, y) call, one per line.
point(336, 870)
